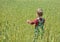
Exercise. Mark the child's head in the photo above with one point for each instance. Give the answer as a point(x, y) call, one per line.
point(39, 12)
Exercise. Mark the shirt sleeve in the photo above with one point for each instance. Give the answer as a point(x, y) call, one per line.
point(34, 22)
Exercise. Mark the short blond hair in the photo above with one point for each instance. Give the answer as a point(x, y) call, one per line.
point(39, 11)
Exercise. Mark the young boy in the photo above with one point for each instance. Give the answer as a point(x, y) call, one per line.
point(39, 23)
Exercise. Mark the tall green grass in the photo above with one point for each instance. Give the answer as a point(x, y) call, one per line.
point(13, 16)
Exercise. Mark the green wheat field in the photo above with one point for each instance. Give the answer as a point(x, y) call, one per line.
point(13, 16)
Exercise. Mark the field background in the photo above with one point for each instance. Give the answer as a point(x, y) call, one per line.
point(13, 16)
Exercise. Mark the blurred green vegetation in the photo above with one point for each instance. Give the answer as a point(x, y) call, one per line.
point(13, 16)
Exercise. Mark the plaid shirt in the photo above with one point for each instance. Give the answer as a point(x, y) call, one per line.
point(36, 21)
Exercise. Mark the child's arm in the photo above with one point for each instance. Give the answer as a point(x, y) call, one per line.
point(32, 22)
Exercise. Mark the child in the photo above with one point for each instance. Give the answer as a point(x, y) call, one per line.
point(39, 23)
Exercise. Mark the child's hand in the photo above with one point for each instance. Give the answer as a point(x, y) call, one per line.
point(28, 21)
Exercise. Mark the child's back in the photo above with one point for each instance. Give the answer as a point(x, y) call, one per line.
point(40, 21)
